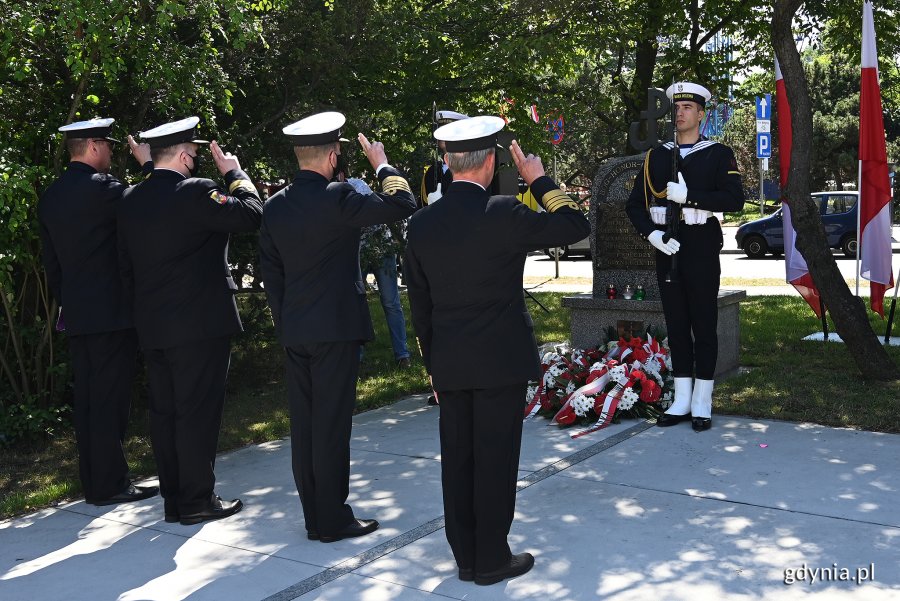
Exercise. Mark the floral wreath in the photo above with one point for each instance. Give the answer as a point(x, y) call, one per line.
point(595, 387)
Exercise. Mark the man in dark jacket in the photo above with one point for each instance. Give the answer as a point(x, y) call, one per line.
point(708, 183)
point(464, 258)
point(77, 216)
point(173, 245)
point(309, 255)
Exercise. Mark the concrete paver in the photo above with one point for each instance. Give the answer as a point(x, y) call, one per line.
point(633, 512)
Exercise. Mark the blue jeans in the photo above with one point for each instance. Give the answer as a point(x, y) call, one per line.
point(386, 278)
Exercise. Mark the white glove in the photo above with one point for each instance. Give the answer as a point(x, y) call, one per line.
point(668, 248)
point(658, 215)
point(694, 216)
point(677, 192)
point(359, 185)
point(436, 195)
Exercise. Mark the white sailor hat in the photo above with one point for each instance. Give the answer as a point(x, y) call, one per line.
point(467, 135)
point(685, 90)
point(92, 128)
point(444, 117)
point(315, 130)
point(170, 134)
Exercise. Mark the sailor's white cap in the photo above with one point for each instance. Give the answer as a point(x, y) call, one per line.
point(92, 128)
point(170, 134)
point(315, 130)
point(685, 90)
point(467, 135)
point(444, 117)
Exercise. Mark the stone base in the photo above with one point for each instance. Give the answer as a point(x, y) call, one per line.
point(590, 317)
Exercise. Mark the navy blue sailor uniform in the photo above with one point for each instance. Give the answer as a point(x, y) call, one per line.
point(309, 258)
point(77, 216)
point(690, 304)
point(464, 259)
point(173, 246)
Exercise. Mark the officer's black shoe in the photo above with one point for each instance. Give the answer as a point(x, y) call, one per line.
point(171, 511)
point(467, 574)
point(516, 566)
point(665, 420)
point(129, 495)
point(354, 529)
point(215, 510)
point(403, 363)
point(432, 400)
point(699, 424)
point(312, 535)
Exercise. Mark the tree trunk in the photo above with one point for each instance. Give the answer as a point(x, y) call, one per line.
point(847, 311)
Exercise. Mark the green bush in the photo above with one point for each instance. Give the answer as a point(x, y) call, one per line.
point(23, 422)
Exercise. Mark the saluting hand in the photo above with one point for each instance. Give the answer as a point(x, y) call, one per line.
point(141, 152)
point(530, 167)
point(225, 162)
point(374, 151)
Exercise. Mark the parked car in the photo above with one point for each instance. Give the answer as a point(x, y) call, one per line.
point(582, 247)
point(838, 213)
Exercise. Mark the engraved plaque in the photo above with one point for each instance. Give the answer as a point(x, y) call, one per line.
point(621, 256)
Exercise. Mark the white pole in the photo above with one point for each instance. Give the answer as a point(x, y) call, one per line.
point(858, 218)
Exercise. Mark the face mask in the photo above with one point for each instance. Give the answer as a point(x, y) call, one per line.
point(196, 168)
point(340, 166)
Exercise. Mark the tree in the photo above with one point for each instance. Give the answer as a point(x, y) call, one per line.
point(847, 311)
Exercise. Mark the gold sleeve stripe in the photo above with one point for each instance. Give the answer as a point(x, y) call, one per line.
point(556, 199)
point(734, 173)
point(394, 183)
point(240, 183)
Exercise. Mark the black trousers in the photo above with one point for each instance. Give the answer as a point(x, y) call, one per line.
point(690, 304)
point(104, 365)
point(187, 396)
point(321, 383)
point(481, 433)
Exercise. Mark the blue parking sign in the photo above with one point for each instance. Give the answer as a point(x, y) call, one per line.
point(764, 145)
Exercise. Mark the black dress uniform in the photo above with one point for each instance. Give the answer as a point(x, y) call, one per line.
point(690, 303)
point(309, 256)
point(77, 216)
point(464, 259)
point(173, 243)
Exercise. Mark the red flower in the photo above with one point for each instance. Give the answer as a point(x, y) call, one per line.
point(566, 416)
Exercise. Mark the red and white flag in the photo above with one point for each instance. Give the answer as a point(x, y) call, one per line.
point(874, 186)
point(534, 114)
point(796, 271)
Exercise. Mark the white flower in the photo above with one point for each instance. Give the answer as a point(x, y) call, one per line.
point(557, 369)
point(581, 405)
point(628, 399)
point(570, 388)
point(598, 366)
point(666, 400)
point(549, 380)
point(550, 358)
point(529, 394)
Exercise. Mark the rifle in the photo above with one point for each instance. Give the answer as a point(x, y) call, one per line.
point(674, 212)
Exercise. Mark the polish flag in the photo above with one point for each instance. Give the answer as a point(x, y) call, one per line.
point(796, 271)
point(534, 114)
point(874, 186)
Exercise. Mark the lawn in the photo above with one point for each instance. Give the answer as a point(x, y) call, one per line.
point(782, 378)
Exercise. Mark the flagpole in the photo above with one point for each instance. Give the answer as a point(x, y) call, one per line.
point(858, 221)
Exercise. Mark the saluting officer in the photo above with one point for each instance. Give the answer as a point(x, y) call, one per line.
point(77, 217)
point(173, 244)
point(309, 256)
point(709, 183)
point(434, 184)
point(464, 258)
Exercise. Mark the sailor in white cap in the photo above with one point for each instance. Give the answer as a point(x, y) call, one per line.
point(464, 261)
point(173, 240)
point(77, 215)
point(437, 175)
point(309, 258)
point(707, 182)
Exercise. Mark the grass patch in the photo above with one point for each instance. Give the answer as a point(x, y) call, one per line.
point(785, 379)
point(750, 212)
